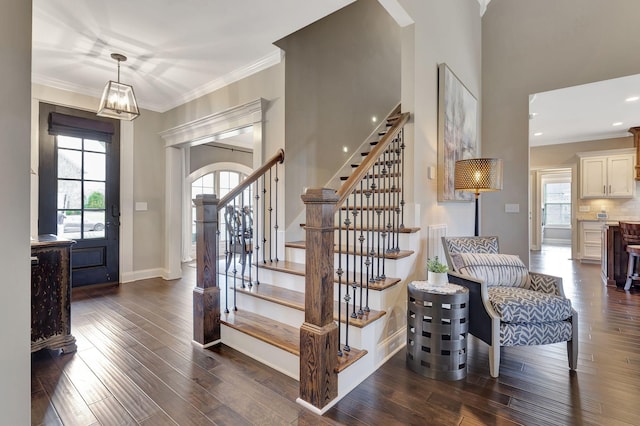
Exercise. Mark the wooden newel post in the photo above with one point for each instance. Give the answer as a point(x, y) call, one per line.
point(206, 294)
point(319, 333)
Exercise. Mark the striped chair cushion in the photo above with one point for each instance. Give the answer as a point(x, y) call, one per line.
point(494, 269)
point(519, 305)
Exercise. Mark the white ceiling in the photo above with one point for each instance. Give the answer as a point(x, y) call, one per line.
point(180, 50)
point(177, 50)
point(586, 112)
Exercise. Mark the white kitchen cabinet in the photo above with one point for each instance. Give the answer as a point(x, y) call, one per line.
point(607, 176)
point(590, 241)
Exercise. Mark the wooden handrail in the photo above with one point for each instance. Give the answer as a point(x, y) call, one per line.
point(254, 176)
point(361, 171)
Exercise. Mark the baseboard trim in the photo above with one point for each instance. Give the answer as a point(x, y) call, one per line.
point(316, 410)
point(143, 274)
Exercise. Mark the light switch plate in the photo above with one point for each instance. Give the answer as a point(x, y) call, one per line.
point(512, 208)
point(141, 206)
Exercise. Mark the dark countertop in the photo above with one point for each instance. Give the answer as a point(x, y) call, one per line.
point(46, 240)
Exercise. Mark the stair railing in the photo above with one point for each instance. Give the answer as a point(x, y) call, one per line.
point(249, 228)
point(372, 195)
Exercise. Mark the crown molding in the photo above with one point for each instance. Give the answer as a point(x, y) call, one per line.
point(236, 75)
point(199, 131)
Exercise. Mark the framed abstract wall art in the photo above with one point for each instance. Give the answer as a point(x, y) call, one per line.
point(457, 131)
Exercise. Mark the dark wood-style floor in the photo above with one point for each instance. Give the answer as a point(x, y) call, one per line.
point(136, 365)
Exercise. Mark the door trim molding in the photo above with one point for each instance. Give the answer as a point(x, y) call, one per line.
point(177, 140)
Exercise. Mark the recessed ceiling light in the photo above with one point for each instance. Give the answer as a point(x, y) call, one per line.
point(617, 123)
point(537, 134)
point(632, 99)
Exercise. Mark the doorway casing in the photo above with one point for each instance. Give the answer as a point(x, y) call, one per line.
point(178, 140)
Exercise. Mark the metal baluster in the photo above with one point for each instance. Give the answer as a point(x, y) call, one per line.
point(243, 259)
point(383, 207)
point(226, 262)
point(354, 283)
point(276, 225)
point(347, 298)
point(361, 239)
point(339, 281)
point(396, 203)
point(256, 230)
point(264, 218)
point(235, 262)
point(369, 246)
point(379, 225)
point(270, 216)
point(402, 146)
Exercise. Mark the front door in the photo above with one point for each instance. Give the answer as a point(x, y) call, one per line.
point(79, 189)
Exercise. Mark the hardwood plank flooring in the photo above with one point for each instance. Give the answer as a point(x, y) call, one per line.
point(136, 364)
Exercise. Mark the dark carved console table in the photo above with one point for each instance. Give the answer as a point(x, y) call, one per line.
point(51, 294)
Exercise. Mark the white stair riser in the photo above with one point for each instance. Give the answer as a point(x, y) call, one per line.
point(397, 268)
point(276, 358)
point(404, 241)
point(275, 311)
point(290, 316)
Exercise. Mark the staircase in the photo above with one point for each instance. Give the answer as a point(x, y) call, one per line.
point(361, 286)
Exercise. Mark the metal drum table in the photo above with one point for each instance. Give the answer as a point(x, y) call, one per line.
point(437, 330)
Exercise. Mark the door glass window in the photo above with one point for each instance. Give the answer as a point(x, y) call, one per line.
point(81, 187)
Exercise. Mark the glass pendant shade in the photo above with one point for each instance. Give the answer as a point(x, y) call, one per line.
point(118, 100)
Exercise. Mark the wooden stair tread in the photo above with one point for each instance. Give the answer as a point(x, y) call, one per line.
point(377, 191)
point(349, 250)
point(370, 208)
point(299, 269)
point(403, 230)
point(295, 299)
point(280, 295)
point(273, 332)
point(374, 176)
point(349, 358)
point(280, 335)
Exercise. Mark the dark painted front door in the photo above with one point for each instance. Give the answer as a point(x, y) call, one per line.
point(79, 193)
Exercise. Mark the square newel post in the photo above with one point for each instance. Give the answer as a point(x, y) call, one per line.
point(206, 294)
point(319, 333)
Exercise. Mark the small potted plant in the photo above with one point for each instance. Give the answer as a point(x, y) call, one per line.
point(436, 271)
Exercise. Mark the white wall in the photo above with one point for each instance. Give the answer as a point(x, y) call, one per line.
point(531, 47)
point(443, 31)
point(15, 122)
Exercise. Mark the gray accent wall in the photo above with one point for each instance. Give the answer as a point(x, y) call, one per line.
point(15, 134)
point(531, 47)
point(340, 72)
point(148, 187)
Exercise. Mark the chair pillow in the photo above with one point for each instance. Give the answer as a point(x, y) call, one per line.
point(519, 305)
point(494, 269)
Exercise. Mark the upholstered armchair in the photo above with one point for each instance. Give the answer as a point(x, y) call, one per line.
point(509, 305)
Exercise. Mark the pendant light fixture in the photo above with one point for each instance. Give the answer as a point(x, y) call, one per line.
point(118, 100)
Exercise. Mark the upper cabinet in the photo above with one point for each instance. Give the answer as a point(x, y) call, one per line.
point(607, 174)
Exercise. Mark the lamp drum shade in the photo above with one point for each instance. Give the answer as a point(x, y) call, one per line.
point(478, 175)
